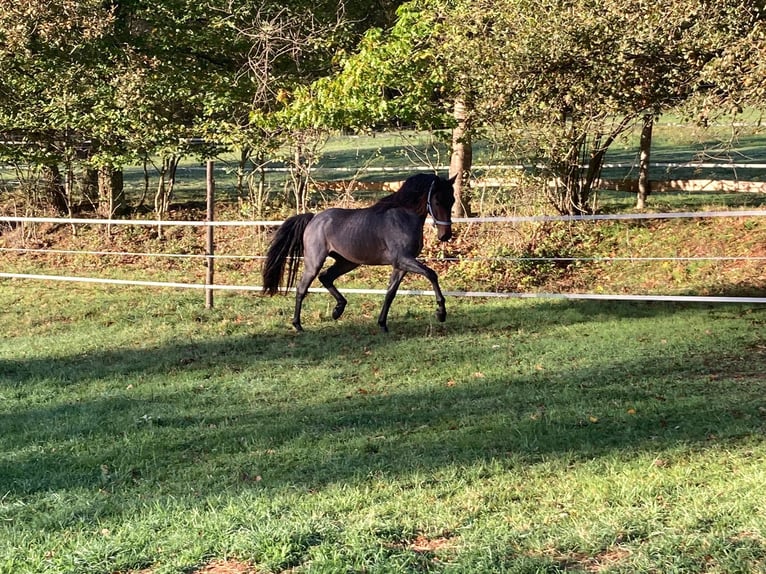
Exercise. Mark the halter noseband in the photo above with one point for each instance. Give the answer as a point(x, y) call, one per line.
point(430, 209)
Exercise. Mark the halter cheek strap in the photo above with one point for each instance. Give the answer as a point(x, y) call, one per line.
point(431, 211)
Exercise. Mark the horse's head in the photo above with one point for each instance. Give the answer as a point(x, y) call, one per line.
point(441, 198)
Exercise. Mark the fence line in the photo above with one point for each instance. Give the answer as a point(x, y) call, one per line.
point(140, 222)
point(479, 294)
point(508, 167)
point(448, 259)
point(125, 253)
point(499, 219)
point(572, 296)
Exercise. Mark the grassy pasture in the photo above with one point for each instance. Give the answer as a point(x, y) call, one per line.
point(140, 433)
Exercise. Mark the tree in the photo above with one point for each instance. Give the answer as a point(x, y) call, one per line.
point(48, 85)
point(282, 48)
point(572, 75)
point(138, 80)
point(738, 77)
point(397, 77)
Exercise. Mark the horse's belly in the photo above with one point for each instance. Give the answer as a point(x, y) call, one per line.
point(368, 239)
point(362, 252)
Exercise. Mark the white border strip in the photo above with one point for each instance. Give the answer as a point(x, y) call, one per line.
point(41, 251)
point(146, 222)
point(516, 166)
point(132, 253)
point(484, 294)
point(613, 217)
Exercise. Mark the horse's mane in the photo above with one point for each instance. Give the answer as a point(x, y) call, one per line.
point(411, 195)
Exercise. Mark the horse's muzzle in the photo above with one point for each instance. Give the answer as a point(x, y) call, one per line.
point(445, 232)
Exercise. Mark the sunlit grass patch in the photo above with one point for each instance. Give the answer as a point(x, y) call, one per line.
point(142, 433)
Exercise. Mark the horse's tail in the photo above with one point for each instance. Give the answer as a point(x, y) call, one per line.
point(285, 250)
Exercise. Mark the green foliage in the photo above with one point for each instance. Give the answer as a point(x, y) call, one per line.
point(573, 76)
point(47, 55)
point(108, 84)
point(740, 72)
point(92, 84)
point(393, 77)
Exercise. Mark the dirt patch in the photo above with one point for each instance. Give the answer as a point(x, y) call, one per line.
point(227, 567)
point(579, 561)
point(425, 544)
point(214, 567)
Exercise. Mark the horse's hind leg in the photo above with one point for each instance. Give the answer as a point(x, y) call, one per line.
point(328, 277)
point(313, 260)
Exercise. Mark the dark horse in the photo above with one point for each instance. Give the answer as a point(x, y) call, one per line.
point(387, 233)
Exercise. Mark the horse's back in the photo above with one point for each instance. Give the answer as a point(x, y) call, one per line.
point(366, 236)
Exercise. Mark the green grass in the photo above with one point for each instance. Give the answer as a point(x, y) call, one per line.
point(139, 431)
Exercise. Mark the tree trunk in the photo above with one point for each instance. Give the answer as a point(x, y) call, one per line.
point(461, 160)
point(577, 172)
point(300, 180)
point(645, 146)
point(89, 186)
point(111, 192)
point(574, 193)
point(166, 184)
point(244, 157)
point(53, 186)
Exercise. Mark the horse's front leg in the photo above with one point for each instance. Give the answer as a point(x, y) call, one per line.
point(416, 266)
point(393, 285)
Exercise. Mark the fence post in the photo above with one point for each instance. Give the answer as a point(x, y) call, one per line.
point(210, 246)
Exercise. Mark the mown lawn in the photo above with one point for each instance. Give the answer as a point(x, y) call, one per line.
point(141, 433)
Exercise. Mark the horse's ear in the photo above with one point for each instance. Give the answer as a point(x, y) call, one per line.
point(452, 179)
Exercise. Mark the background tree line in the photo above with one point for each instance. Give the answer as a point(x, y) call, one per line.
point(87, 87)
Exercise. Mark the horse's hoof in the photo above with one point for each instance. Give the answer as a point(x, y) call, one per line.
point(338, 311)
point(298, 327)
point(441, 315)
point(383, 327)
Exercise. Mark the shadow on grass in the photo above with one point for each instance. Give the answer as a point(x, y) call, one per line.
point(211, 433)
point(324, 339)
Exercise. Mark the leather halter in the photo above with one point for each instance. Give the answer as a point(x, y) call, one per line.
point(431, 211)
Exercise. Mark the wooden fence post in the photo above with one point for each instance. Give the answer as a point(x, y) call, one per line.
point(210, 247)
